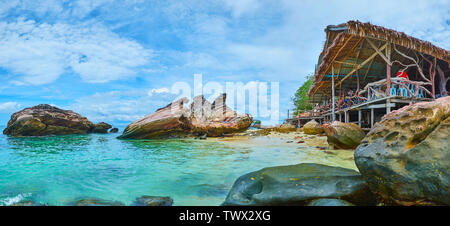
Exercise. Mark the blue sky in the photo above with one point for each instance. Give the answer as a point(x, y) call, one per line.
point(102, 58)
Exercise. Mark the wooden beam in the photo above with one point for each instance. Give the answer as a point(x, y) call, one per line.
point(362, 64)
point(378, 106)
point(339, 51)
point(388, 61)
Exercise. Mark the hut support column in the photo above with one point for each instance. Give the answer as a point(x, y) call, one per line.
point(346, 116)
point(388, 78)
point(372, 116)
point(333, 113)
point(359, 118)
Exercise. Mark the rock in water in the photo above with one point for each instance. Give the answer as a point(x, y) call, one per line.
point(146, 200)
point(343, 135)
point(405, 158)
point(114, 130)
point(200, 118)
point(101, 127)
point(298, 185)
point(312, 128)
point(329, 202)
point(43, 119)
point(96, 202)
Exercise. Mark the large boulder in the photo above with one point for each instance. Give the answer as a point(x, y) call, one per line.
point(405, 158)
point(43, 119)
point(200, 118)
point(298, 185)
point(343, 135)
point(312, 128)
point(101, 127)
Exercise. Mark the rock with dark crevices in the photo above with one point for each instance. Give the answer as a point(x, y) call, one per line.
point(405, 158)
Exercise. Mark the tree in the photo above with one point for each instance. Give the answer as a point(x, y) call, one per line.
point(301, 99)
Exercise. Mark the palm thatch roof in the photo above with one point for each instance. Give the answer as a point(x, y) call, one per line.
point(345, 47)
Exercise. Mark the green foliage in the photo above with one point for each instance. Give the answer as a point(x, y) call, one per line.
point(301, 99)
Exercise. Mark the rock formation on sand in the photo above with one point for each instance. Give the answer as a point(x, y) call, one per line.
point(406, 157)
point(312, 128)
point(200, 118)
point(343, 135)
point(299, 185)
point(44, 119)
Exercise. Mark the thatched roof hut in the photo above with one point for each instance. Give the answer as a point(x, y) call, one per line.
point(349, 47)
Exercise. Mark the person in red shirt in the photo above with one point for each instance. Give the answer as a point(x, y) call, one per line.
point(402, 74)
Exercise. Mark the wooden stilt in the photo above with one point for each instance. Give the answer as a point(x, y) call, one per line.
point(333, 113)
point(372, 116)
point(359, 118)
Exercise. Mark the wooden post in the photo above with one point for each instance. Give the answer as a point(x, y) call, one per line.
point(359, 118)
point(333, 113)
point(346, 116)
point(372, 115)
point(340, 117)
point(388, 70)
point(388, 106)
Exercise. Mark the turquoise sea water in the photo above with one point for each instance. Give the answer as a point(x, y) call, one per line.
point(59, 169)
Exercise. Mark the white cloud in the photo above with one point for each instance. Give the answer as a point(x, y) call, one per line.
point(241, 7)
point(8, 107)
point(158, 91)
point(43, 52)
point(119, 106)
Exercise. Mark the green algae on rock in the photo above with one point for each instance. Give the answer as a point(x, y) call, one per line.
point(406, 157)
point(298, 185)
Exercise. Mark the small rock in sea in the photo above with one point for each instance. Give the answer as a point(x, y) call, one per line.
point(202, 137)
point(147, 200)
point(96, 202)
point(101, 127)
point(114, 130)
point(300, 142)
point(290, 141)
point(27, 203)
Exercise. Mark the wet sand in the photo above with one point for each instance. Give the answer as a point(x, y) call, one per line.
point(315, 149)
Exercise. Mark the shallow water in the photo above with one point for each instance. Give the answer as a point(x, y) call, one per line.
point(59, 169)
